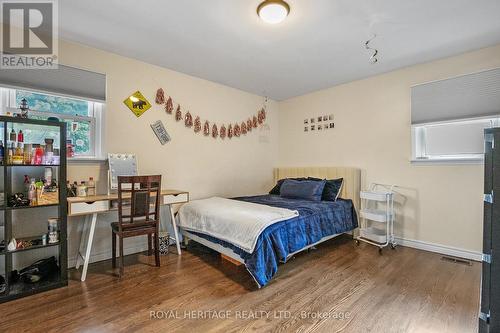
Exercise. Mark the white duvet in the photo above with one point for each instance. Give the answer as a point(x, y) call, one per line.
point(237, 222)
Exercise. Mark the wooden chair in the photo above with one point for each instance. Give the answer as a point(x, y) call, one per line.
point(144, 216)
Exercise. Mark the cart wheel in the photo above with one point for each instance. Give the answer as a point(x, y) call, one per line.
point(393, 246)
point(379, 250)
point(357, 242)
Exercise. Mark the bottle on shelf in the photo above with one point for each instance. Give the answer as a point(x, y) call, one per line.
point(20, 136)
point(49, 151)
point(28, 153)
point(26, 185)
point(38, 154)
point(32, 192)
point(12, 135)
point(10, 153)
point(18, 157)
point(82, 189)
point(56, 159)
point(48, 176)
point(91, 186)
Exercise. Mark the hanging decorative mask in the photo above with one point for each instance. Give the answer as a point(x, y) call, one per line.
point(254, 122)
point(237, 130)
point(249, 125)
point(169, 107)
point(215, 132)
point(206, 128)
point(223, 132)
point(261, 116)
point(197, 124)
point(243, 128)
point(160, 96)
point(178, 113)
point(188, 120)
point(230, 131)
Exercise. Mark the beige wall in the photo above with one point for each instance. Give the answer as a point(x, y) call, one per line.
point(372, 118)
point(372, 132)
point(192, 162)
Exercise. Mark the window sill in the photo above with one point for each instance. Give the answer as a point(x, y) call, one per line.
point(85, 160)
point(447, 161)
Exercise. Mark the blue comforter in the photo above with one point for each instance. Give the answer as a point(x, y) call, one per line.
point(316, 220)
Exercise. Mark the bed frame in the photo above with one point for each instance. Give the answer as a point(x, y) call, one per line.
point(350, 190)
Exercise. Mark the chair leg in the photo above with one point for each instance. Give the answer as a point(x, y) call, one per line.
point(121, 256)
point(150, 245)
point(157, 249)
point(113, 249)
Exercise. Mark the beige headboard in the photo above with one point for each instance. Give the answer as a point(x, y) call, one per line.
point(352, 178)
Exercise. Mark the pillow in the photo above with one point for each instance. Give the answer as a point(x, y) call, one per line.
point(302, 189)
point(332, 188)
point(277, 187)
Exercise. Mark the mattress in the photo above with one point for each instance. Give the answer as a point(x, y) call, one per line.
point(316, 221)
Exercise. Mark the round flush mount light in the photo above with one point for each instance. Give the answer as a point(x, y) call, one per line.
point(273, 11)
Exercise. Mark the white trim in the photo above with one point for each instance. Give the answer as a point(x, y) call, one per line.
point(447, 161)
point(107, 255)
point(438, 248)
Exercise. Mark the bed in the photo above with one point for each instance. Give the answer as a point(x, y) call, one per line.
point(314, 223)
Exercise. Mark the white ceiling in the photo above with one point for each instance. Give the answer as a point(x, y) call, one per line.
point(321, 43)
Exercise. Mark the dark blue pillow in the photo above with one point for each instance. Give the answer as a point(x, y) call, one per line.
point(332, 188)
point(277, 187)
point(305, 189)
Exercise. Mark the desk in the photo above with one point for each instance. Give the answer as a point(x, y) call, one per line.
point(90, 206)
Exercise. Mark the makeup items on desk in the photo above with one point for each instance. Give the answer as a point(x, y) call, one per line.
point(84, 189)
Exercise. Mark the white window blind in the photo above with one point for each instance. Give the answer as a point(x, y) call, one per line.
point(464, 97)
point(65, 80)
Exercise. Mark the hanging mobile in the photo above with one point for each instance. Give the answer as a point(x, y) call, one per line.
point(373, 58)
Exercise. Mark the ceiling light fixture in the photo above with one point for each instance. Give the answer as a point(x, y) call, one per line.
point(273, 11)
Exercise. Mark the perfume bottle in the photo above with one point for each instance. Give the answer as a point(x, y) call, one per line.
point(12, 135)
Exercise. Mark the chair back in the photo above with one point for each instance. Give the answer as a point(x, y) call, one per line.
point(143, 194)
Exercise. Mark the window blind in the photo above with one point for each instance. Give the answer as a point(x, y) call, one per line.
point(65, 80)
point(468, 96)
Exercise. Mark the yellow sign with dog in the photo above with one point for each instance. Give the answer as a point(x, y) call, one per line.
point(137, 103)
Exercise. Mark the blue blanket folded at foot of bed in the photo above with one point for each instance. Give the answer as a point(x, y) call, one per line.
point(316, 221)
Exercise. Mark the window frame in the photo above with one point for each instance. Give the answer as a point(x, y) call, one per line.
point(96, 109)
point(419, 143)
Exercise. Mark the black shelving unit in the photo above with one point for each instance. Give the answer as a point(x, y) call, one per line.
point(19, 289)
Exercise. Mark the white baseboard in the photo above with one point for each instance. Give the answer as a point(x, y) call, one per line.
point(95, 257)
point(438, 248)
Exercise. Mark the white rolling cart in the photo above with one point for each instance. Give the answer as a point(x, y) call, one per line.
point(378, 216)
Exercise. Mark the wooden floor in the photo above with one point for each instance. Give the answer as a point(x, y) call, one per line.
point(337, 288)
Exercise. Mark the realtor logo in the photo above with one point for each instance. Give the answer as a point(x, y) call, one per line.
point(29, 34)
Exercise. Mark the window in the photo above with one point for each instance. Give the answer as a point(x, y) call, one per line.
point(83, 118)
point(448, 116)
point(459, 140)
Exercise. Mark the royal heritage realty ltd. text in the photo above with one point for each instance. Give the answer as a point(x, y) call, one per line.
point(243, 315)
